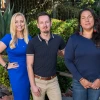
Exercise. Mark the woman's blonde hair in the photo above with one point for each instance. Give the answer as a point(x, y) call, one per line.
point(13, 30)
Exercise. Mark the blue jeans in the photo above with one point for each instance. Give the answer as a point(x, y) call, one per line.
point(80, 93)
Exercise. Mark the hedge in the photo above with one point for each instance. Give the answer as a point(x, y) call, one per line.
point(63, 28)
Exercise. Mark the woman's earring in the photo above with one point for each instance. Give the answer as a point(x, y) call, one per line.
point(80, 30)
point(94, 29)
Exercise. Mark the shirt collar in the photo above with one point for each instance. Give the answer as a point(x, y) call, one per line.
point(41, 39)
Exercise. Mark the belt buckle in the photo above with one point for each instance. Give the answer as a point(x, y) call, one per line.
point(40, 77)
point(51, 77)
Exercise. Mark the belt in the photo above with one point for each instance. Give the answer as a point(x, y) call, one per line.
point(45, 78)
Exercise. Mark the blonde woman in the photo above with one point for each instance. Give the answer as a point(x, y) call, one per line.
point(15, 45)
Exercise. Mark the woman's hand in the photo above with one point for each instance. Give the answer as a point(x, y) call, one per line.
point(85, 83)
point(12, 65)
point(96, 84)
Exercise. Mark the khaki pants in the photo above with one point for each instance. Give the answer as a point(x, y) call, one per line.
point(49, 87)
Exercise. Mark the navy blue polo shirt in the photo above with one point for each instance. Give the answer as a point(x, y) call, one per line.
point(45, 54)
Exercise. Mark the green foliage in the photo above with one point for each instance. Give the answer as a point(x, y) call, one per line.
point(60, 9)
point(87, 2)
point(96, 7)
point(32, 26)
point(64, 82)
point(67, 12)
point(63, 28)
point(4, 77)
point(5, 21)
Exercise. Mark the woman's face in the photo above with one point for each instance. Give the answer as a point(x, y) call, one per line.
point(87, 20)
point(19, 23)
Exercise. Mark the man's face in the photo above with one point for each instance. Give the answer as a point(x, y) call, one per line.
point(44, 24)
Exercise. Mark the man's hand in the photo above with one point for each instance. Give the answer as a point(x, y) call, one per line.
point(61, 52)
point(36, 90)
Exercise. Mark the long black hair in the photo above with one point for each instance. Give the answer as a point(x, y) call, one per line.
point(96, 34)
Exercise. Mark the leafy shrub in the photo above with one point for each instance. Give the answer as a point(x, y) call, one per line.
point(64, 82)
point(33, 30)
point(63, 28)
point(4, 77)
